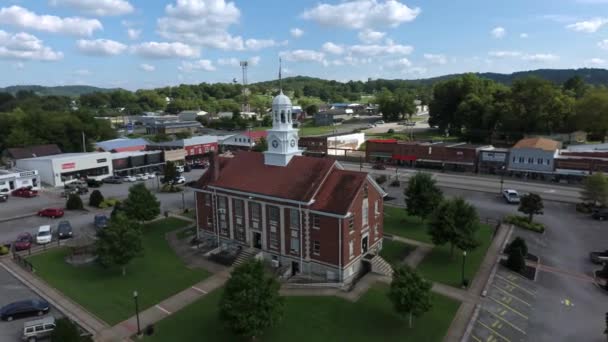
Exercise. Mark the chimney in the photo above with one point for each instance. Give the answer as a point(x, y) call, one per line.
point(214, 167)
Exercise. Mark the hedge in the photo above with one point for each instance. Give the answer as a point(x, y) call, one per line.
point(522, 222)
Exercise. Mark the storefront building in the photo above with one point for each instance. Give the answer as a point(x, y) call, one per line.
point(57, 170)
point(15, 179)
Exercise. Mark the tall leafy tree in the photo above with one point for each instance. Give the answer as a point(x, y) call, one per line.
point(516, 261)
point(592, 113)
point(422, 195)
point(455, 222)
point(95, 199)
point(141, 204)
point(595, 189)
point(119, 243)
point(74, 202)
point(250, 303)
point(170, 172)
point(65, 331)
point(531, 204)
point(409, 293)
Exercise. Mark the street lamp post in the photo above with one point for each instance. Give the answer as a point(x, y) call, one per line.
point(464, 256)
point(137, 313)
point(502, 178)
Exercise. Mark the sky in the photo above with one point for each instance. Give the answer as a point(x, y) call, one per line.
point(137, 44)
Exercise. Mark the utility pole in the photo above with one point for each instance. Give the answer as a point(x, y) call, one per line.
point(245, 104)
point(84, 143)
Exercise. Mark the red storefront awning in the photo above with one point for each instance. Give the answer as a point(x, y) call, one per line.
point(404, 157)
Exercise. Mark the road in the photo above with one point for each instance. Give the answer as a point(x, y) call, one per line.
point(483, 183)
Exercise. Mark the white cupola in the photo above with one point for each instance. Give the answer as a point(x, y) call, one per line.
point(282, 138)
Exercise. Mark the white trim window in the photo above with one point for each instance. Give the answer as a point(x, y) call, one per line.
point(316, 247)
point(351, 249)
point(274, 221)
point(256, 215)
point(365, 213)
point(207, 200)
point(209, 222)
point(294, 224)
point(351, 224)
point(376, 231)
point(222, 203)
point(239, 219)
point(316, 221)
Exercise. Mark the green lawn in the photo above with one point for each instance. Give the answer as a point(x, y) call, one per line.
point(394, 251)
point(317, 319)
point(398, 222)
point(440, 267)
point(105, 292)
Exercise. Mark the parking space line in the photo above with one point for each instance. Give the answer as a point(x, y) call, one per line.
point(512, 295)
point(476, 338)
point(494, 332)
point(508, 307)
point(519, 287)
point(506, 321)
point(163, 309)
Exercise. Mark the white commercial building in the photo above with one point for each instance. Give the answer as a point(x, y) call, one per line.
point(15, 179)
point(57, 170)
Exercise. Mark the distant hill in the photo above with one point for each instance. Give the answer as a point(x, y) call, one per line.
point(71, 90)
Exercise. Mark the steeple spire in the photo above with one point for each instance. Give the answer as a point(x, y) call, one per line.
point(280, 77)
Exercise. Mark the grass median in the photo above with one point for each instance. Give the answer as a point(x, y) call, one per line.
point(398, 222)
point(158, 274)
point(394, 252)
point(317, 319)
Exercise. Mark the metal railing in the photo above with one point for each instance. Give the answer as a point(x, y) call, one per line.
point(22, 261)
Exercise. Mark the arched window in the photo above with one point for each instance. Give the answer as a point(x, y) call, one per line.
point(276, 116)
point(282, 116)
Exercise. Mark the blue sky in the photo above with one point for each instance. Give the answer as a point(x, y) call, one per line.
point(152, 43)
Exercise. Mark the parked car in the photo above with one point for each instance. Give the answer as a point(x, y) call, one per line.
point(141, 176)
point(600, 214)
point(25, 192)
point(113, 180)
point(187, 168)
point(511, 196)
point(44, 235)
point(380, 122)
point(77, 184)
point(51, 212)
point(94, 183)
point(74, 191)
point(150, 175)
point(371, 126)
point(38, 329)
point(129, 179)
point(64, 230)
point(179, 180)
point(379, 166)
point(3, 197)
point(599, 257)
point(179, 168)
point(24, 308)
point(24, 242)
point(101, 221)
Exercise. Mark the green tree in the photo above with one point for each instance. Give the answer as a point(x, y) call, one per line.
point(183, 135)
point(409, 293)
point(454, 221)
point(119, 243)
point(531, 204)
point(65, 331)
point(261, 145)
point(519, 243)
point(141, 204)
point(74, 202)
point(312, 109)
point(170, 172)
point(516, 261)
point(576, 85)
point(595, 189)
point(592, 112)
point(250, 303)
point(95, 199)
point(422, 195)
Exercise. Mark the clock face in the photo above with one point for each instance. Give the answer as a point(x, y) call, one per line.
point(293, 143)
point(275, 143)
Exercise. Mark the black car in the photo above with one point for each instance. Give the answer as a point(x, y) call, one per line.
point(94, 183)
point(3, 197)
point(113, 180)
point(64, 230)
point(101, 221)
point(24, 308)
point(600, 214)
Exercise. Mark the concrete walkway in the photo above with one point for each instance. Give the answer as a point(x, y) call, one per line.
point(122, 331)
point(411, 242)
point(68, 307)
point(414, 258)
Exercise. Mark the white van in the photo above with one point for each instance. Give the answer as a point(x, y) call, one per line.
point(38, 329)
point(180, 168)
point(44, 235)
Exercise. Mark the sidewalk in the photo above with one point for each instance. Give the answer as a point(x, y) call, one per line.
point(71, 309)
point(414, 258)
point(122, 331)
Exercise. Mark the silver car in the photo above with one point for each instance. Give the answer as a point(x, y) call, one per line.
point(38, 329)
point(511, 196)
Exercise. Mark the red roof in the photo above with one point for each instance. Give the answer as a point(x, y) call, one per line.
point(297, 181)
point(383, 141)
point(255, 135)
point(339, 191)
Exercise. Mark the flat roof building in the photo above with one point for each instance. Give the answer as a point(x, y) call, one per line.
point(60, 169)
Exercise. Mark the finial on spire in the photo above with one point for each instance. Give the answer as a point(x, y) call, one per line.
point(280, 77)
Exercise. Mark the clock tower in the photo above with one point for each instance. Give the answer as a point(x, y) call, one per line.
point(282, 138)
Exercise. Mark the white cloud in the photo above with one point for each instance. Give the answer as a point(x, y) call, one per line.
point(603, 44)
point(504, 54)
point(359, 14)
point(296, 32)
point(235, 62)
point(25, 19)
point(498, 32)
point(596, 61)
point(97, 7)
point(255, 60)
point(24, 46)
point(402, 62)
point(332, 48)
point(303, 56)
point(368, 36)
point(540, 57)
point(523, 35)
point(165, 50)
point(100, 47)
point(588, 26)
point(350, 60)
point(436, 59)
point(82, 72)
point(201, 64)
point(376, 49)
point(258, 44)
point(147, 67)
point(19, 65)
point(133, 33)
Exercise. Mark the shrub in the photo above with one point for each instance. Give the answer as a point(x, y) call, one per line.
point(520, 243)
point(522, 222)
point(381, 179)
point(390, 131)
point(395, 182)
point(4, 250)
point(95, 199)
point(516, 261)
point(169, 188)
point(74, 203)
point(108, 203)
point(585, 208)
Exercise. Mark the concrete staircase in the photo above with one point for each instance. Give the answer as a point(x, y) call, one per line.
point(381, 266)
point(244, 255)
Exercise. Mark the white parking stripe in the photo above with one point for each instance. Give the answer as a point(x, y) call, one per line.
point(199, 290)
point(163, 309)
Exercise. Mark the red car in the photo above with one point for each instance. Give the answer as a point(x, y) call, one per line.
point(24, 242)
point(51, 212)
point(25, 192)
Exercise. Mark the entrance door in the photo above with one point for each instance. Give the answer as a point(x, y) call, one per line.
point(257, 240)
point(364, 244)
point(11, 184)
point(295, 268)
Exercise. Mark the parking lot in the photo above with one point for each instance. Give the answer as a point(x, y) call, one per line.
point(504, 313)
point(12, 290)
